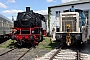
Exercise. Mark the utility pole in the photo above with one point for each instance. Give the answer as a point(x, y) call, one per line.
point(12, 21)
point(12, 18)
point(13, 26)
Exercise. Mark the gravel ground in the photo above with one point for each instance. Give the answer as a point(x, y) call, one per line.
point(46, 56)
point(40, 50)
point(85, 53)
point(29, 56)
point(42, 53)
point(13, 55)
point(35, 52)
point(2, 50)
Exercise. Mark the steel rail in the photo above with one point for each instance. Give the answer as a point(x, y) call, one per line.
point(51, 58)
point(7, 52)
point(78, 55)
point(24, 54)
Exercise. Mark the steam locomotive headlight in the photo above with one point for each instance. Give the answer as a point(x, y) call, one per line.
point(78, 37)
point(32, 31)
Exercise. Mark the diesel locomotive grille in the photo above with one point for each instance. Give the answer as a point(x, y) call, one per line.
point(69, 20)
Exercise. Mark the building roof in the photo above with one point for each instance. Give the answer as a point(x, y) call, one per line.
point(4, 17)
point(71, 3)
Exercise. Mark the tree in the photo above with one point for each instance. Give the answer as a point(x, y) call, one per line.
point(49, 13)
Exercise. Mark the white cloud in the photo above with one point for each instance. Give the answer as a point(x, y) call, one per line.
point(64, 1)
point(44, 12)
point(14, 13)
point(11, 1)
point(51, 0)
point(2, 5)
point(11, 11)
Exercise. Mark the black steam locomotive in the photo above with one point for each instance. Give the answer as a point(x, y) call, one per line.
point(28, 27)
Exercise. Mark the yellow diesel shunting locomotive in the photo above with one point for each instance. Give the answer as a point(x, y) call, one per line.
point(73, 27)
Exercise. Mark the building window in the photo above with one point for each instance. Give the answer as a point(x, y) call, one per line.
point(57, 13)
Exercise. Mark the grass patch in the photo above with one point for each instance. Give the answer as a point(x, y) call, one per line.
point(46, 44)
point(7, 44)
point(88, 40)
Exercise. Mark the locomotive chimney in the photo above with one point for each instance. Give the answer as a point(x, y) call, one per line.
point(27, 9)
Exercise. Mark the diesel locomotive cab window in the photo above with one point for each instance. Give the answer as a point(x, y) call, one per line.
point(69, 20)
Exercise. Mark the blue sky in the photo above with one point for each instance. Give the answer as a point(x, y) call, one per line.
point(10, 8)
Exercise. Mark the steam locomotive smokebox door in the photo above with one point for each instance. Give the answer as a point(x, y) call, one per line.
point(27, 9)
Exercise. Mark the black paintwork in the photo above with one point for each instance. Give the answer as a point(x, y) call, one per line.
point(29, 19)
point(62, 37)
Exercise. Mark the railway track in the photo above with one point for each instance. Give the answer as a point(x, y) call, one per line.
point(24, 54)
point(78, 57)
point(68, 54)
point(14, 54)
point(7, 52)
point(65, 54)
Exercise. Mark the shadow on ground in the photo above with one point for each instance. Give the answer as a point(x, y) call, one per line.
point(2, 40)
point(15, 45)
point(53, 45)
